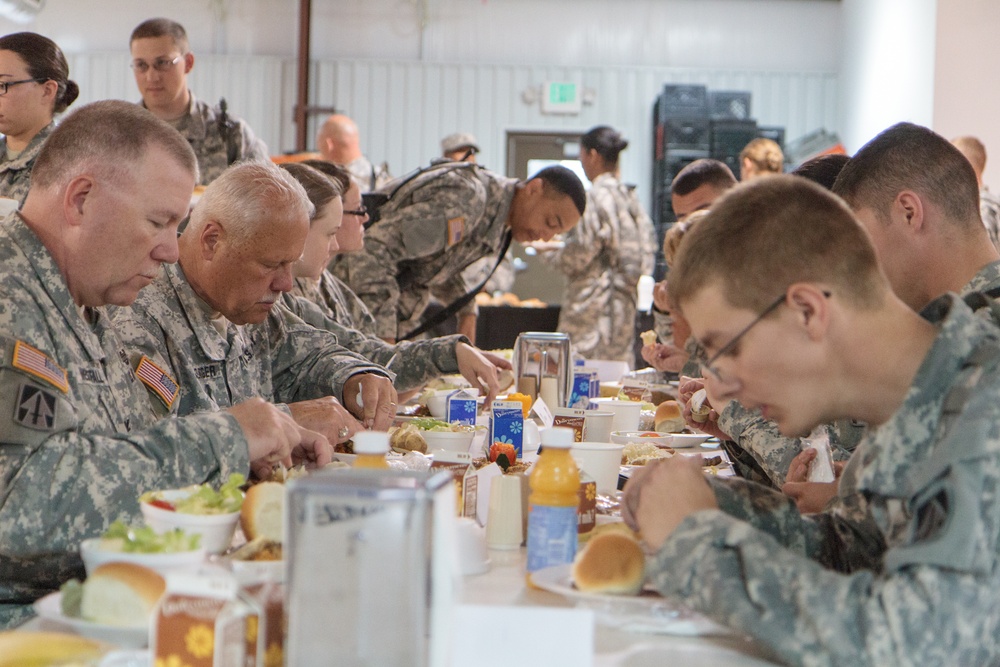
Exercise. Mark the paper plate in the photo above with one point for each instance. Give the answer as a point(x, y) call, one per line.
point(50, 608)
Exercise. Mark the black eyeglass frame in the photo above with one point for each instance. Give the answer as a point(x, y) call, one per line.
point(5, 85)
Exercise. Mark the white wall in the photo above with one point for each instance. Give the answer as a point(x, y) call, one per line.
point(966, 95)
point(753, 34)
point(887, 71)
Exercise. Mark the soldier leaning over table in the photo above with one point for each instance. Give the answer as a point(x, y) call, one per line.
point(213, 325)
point(442, 221)
point(914, 193)
point(161, 61)
point(796, 317)
point(81, 442)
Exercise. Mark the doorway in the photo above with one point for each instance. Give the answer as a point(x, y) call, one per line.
point(527, 154)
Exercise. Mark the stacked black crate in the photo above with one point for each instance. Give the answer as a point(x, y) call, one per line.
point(682, 135)
point(732, 126)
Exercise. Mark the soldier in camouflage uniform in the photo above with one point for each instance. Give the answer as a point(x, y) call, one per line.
point(161, 60)
point(604, 256)
point(38, 87)
point(903, 567)
point(212, 324)
point(989, 205)
point(441, 222)
point(337, 301)
point(338, 141)
point(80, 442)
point(414, 362)
point(935, 181)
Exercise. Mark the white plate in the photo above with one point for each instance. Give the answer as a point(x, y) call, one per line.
point(683, 440)
point(49, 608)
point(646, 612)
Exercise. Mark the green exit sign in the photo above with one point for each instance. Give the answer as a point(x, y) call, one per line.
point(561, 97)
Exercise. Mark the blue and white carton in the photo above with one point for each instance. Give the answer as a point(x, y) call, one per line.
point(507, 424)
point(460, 406)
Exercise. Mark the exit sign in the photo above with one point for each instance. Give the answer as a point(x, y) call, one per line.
point(561, 97)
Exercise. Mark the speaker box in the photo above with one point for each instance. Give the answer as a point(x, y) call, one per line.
point(729, 105)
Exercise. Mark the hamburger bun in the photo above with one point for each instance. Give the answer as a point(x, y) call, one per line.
point(611, 562)
point(263, 512)
point(669, 417)
point(121, 594)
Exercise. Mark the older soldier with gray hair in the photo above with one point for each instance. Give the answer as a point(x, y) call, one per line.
point(781, 287)
point(212, 323)
point(80, 442)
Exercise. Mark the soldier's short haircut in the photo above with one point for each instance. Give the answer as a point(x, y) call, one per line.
point(108, 137)
point(162, 27)
point(911, 157)
point(823, 169)
point(767, 234)
point(561, 180)
point(320, 188)
point(248, 196)
point(702, 172)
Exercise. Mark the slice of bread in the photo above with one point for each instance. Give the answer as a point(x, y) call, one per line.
point(263, 512)
point(121, 594)
point(612, 562)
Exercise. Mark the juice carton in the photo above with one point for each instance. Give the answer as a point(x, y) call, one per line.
point(571, 418)
point(461, 407)
point(459, 464)
point(507, 424)
point(584, 382)
point(204, 621)
point(586, 512)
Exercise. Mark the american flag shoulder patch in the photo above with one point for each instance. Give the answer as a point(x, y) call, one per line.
point(38, 364)
point(157, 381)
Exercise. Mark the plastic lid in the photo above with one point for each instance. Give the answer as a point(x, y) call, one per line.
point(558, 437)
point(371, 442)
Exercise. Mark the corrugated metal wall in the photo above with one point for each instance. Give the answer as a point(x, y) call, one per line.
point(404, 108)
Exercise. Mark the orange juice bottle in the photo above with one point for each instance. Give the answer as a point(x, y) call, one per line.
point(370, 448)
point(552, 505)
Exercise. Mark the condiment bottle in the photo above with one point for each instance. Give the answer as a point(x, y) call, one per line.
point(370, 448)
point(552, 505)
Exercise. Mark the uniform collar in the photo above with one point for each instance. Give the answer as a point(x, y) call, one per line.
point(986, 278)
point(30, 152)
point(198, 315)
point(52, 281)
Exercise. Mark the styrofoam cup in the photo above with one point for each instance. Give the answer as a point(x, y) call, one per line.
point(626, 412)
point(597, 425)
point(600, 460)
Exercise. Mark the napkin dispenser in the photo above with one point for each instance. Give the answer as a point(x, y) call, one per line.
point(542, 365)
point(372, 577)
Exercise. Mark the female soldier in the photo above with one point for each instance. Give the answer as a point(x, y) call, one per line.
point(604, 256)
point(34, 87)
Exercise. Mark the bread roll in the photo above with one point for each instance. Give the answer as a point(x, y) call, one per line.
point(121, 594)
point(610, 563)
point(263, 512)
point(669, 417)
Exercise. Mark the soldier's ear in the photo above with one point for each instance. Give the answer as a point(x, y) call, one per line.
point(188, 62)
point(75, 199)
point(210, 239)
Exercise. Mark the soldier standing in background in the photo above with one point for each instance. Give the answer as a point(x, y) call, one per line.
point(161, 60)
point(604, 256)
point(338, 142)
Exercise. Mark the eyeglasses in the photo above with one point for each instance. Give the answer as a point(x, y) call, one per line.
point(160, 64)
point(361, 212)
point(707, 364)
point(7, 84)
